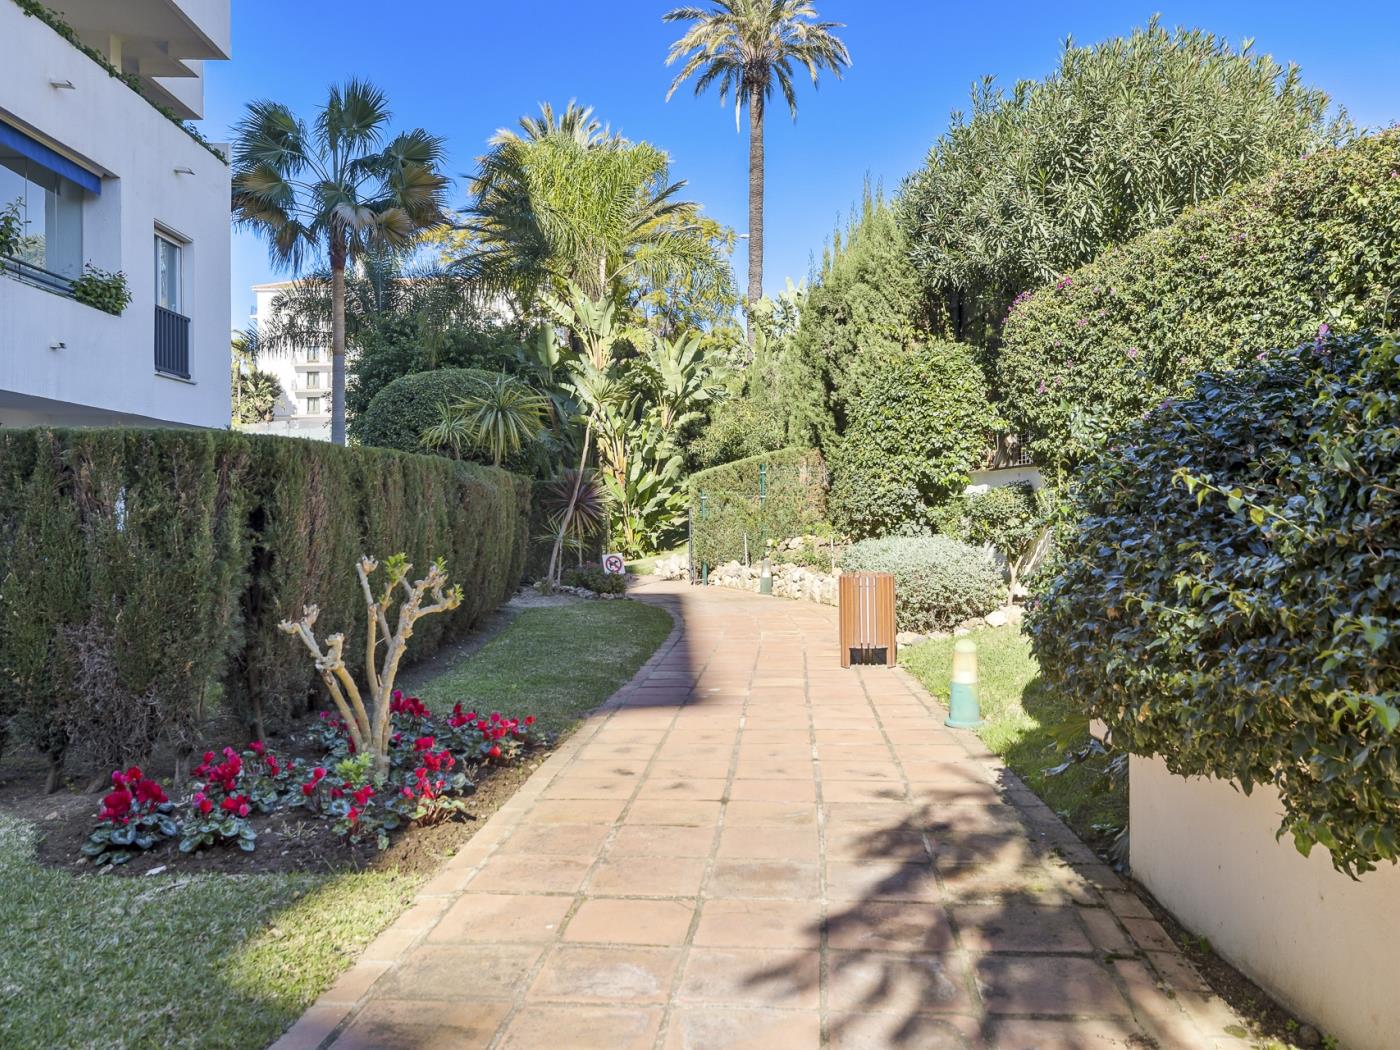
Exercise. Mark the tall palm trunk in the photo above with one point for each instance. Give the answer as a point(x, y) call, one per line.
point(338, 345)
point(755, 201)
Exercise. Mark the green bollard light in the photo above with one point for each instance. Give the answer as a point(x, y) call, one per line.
point(765, 578)
point(964, 712)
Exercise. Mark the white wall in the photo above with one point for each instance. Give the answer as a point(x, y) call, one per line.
point(108, 364)
point(1326, 946)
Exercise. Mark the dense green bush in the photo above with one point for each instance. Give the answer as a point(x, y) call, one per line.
point(731, 510)
point(917, 423)
point(866, 299)
point(1312, 248)
point(143, 572)
point(403, 409)
point(1230, 599)
point(396, 346)
point(1008, 518)
point(938, 582)
point(1118, 140)
point(590, 575)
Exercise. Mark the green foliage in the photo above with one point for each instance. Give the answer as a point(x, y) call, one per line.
point(255, 395)
point(105, 290)
point(732, 511)
point(1316, 246)
point(411, 404)
point(1119, 140)
point(938, 582)
point(11, 229)
point(1008, 518)
point(500, 419)
point(144, 572)
point(1228, 600)
point(565, 200)
point(917, 423)
point(866, 299)
point(591, 576)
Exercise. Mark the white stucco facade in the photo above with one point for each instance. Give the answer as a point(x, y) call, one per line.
point(66, 363)
point(1326, 946)
point(304, 407)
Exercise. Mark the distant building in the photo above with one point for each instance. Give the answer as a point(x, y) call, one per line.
point(100, 176)
point(304, 409)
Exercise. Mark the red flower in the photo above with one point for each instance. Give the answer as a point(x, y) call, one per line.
point(308, 788)
point(318, 773)
point(529, 720)
point(495, 751)
point(424, 743)
point(363, 795)
point(352, 814)
point(257, 747)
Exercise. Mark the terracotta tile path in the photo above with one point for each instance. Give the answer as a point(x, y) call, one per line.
point(750, 847)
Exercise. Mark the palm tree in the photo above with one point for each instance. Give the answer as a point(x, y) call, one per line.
point(748, 47)
point(334, 191)
point(565, 201)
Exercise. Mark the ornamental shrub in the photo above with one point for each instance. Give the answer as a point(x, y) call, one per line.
point(1230, 597)
point(917, 422)
point(1311, 249)
point(938, 582)
point(400, 412)
point(1119, 139)
point(732, 512)
point(1010, 519)
point(592, 577)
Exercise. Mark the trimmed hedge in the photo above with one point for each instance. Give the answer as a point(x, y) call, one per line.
point(143, 572)
point(1312, 248)
point(938, 582)
point(795, 504)
point(403, 409)
point(1230, 597)
point(917, 422)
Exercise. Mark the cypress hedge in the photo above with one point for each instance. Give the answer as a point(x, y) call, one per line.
point(143, 574)
point(795, 504)
point(1311, 249)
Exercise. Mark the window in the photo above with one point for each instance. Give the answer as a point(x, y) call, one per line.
point(313, 406)
point(50, 209)
point(313, 381)
point(170, 292)
point(313, 355)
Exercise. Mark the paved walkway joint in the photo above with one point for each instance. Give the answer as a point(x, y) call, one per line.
point(749, 847)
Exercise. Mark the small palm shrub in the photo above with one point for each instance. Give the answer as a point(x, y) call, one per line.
point(938, 581)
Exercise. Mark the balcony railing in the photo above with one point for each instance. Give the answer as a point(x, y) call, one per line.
point(172, 343)
point(39, 277)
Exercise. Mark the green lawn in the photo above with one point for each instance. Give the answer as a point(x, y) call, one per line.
point(229, 961)
point(1028, 725)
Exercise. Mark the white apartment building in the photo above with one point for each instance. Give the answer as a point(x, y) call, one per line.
point(103, 178)
point(304, 409)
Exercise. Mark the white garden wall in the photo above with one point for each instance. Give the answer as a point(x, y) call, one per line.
point(1324, 945)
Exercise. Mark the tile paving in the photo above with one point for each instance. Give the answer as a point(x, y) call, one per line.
point(749, 847)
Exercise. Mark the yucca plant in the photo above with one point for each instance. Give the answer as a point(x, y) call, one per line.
point(500, 418)
point(576, 506)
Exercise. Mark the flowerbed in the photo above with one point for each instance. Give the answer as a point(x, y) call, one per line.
point(433, 764)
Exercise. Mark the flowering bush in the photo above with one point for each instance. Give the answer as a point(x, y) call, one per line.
point(427, 779)
point(135, 816)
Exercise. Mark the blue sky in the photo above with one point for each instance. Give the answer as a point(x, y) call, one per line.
point(463, 68)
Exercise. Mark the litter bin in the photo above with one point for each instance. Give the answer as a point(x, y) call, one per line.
point(867, 618)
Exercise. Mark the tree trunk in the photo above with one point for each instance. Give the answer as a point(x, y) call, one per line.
point(755, 202)
point(337, 345)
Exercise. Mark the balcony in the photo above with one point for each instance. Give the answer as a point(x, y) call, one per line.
point(172, 343)
point(1007, 450)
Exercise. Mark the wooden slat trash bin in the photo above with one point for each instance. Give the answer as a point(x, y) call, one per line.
point(867, 618)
